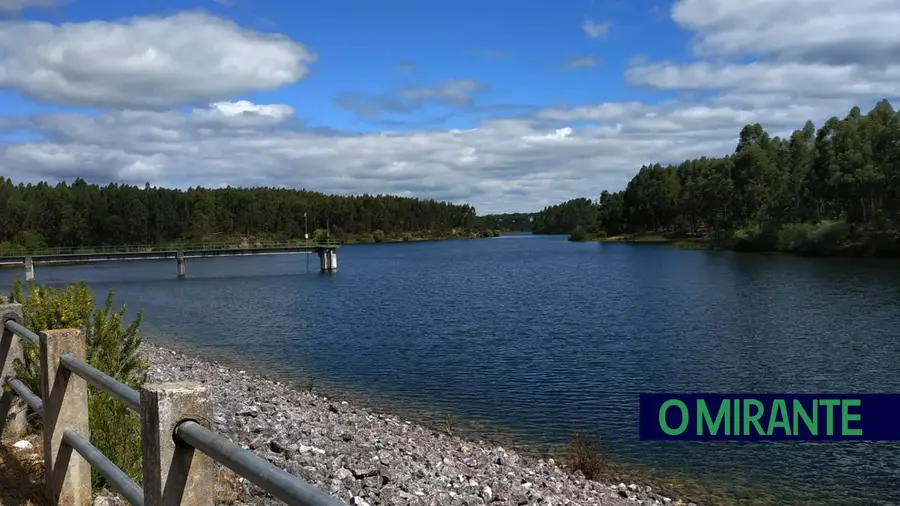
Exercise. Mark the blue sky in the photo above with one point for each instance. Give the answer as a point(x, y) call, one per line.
point(508, 106)
point(517, 55)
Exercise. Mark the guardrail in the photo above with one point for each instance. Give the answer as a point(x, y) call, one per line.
point(174, 419)
point(184, 247)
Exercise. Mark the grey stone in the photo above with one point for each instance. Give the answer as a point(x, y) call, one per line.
point(363, 457)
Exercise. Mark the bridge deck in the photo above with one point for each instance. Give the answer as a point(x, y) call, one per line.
point(109, 256)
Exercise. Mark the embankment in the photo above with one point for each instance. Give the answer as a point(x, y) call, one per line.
point(363, 457)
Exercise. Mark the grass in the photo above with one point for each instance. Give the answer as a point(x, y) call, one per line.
point(21, 473)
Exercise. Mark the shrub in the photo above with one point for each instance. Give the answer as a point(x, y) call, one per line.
point(585, 454)
point(578, 235)
point(378, 235)
point(794, 237)
point(110, 347)
point(828, 236)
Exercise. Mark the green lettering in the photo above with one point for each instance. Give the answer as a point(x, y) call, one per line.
point(779, 408)
point(737, 418)
point(811, 423)
point(754, 418)
point(846, 417)
point(829, 417)
point(684, 417)
point(703, 416)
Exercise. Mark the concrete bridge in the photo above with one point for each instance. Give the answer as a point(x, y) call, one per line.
point(327, 251)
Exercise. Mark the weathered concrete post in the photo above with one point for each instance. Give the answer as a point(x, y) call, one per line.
point(179, 260)
point(29, 269)
point(174, 473)
point(12, 408)
point(65, 395)
point(328, 259)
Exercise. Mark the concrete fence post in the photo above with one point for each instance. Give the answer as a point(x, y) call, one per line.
point(174, 473)
point(12, 408)
point(66, 473)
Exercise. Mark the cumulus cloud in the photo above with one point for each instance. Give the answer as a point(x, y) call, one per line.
point(595, 29)
point(803, 31)
point(187, 58)
point(508, 161)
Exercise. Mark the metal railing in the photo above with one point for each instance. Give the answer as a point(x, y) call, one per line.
point(168, 247)
point(171, 429)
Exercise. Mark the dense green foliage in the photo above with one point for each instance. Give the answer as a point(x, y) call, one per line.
point(509, 222)
point(82, 214)
point(110, 347)
point(835, 189)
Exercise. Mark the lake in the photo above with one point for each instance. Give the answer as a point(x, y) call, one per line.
point(537, 337)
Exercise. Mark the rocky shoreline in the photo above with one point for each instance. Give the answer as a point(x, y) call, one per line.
point(368, 458)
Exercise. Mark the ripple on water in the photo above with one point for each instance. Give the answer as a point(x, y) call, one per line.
point(539, 337)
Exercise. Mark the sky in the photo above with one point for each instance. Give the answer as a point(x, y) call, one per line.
point(507, 106)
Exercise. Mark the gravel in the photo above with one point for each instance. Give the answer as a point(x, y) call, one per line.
point(367, 458)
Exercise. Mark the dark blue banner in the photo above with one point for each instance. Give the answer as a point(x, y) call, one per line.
point(760, 417)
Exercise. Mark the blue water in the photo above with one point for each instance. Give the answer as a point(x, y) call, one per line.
point(540, 337)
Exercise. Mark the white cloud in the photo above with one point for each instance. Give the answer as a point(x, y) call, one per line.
point(809, 31)
point(595, 29)
point(18, 5)
point(187, 58)
point(505, 164)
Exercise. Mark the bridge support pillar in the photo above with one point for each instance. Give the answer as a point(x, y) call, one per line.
point(29, 269)
point(328, 259)
point(179, 260)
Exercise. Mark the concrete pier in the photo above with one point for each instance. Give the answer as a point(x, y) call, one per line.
point(29, 269)
point(179, 261)
point(328, 259)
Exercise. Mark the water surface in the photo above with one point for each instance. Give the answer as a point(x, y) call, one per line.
point(543, 337)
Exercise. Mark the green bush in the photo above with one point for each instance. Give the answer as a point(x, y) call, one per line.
point(823, 238)
point(794, 237)
point(110, 347)
point(578, 235)
point(829, 236)
point(378, 235)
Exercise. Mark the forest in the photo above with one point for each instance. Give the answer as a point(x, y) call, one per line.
point(831, 190)
point(35, 216)
point(509, 222)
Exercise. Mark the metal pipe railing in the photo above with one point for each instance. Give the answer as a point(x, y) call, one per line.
point(263, 474)
point(34, 402)
point(127, 395)
point(22, 332)
point(115, 476)
point(267, 476)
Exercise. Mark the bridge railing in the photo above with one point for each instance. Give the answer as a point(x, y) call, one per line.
point(174, 425)
point(149, 248)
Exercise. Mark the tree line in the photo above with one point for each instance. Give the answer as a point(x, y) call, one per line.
point(82, 214)
point(816, 191)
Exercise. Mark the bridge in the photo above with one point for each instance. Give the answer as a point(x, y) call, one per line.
point(326, 249)
point(178, 447)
